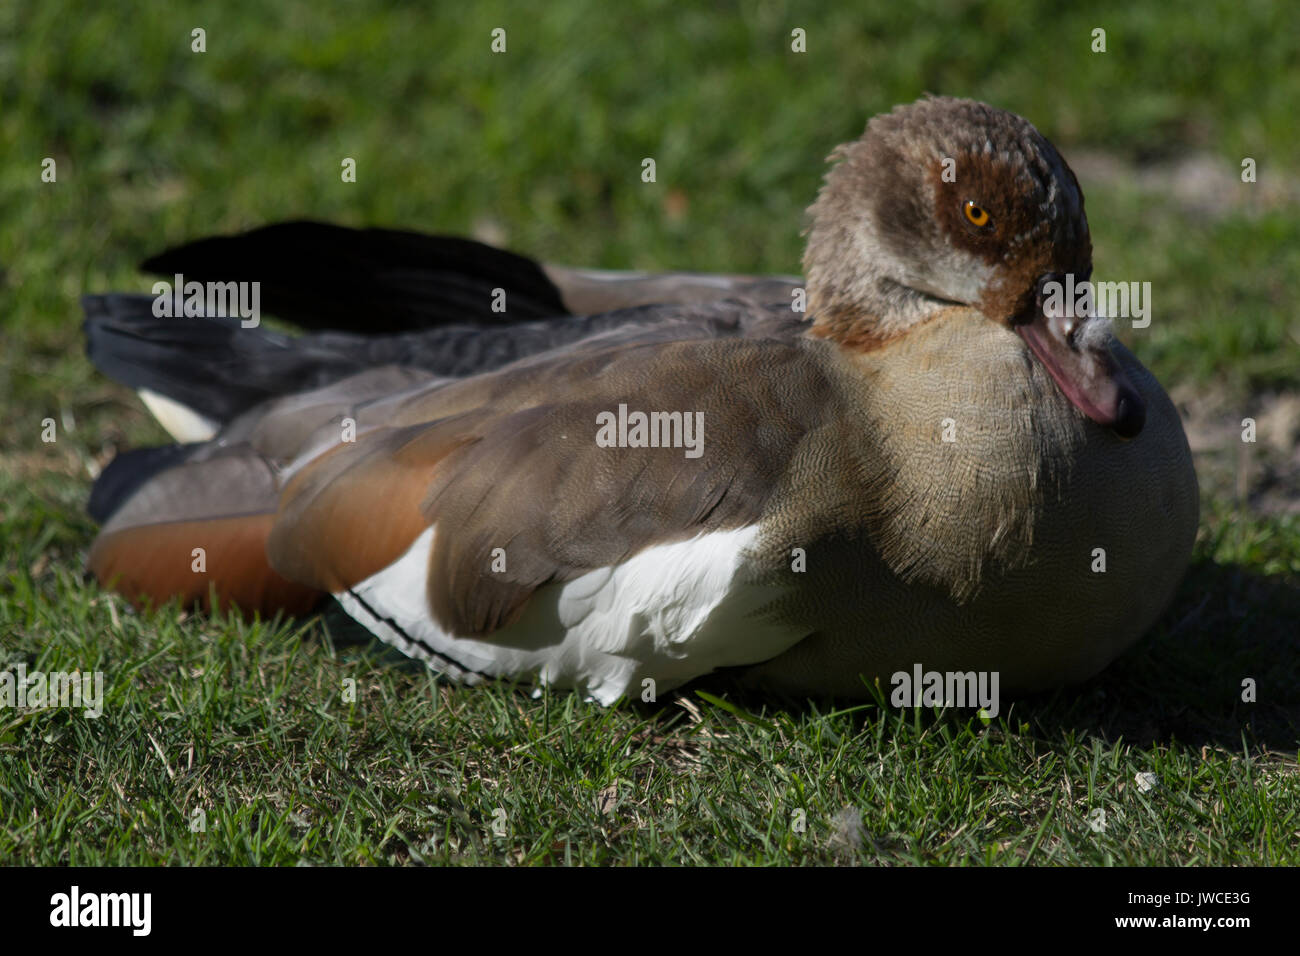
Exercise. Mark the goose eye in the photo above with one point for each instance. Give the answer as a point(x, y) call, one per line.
point(977, 215)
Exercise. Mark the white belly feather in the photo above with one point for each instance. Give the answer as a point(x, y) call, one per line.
point(670, 613)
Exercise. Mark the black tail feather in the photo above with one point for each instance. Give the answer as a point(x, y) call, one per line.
point(208, 363)
point(321, 276)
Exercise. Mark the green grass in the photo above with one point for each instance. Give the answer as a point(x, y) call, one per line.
point(247, 721)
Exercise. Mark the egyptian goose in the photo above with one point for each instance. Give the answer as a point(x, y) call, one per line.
point(925, 466)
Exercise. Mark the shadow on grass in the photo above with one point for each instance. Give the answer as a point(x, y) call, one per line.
point(1185, 680)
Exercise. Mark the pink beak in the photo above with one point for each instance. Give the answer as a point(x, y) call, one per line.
point(1083, 366)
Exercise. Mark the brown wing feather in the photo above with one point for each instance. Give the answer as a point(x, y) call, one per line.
point(503, 460)
point(591, 291)
point(223, 497)
point(354, 510)
point(151, 564)
point(521, 471)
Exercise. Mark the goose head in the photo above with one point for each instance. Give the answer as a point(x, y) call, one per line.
point(949, 202)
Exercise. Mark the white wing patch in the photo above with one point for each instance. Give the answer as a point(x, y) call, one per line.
point(181, 422)
point(671, 613)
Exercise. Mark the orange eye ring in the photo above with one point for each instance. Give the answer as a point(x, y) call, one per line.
point(976, 215)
